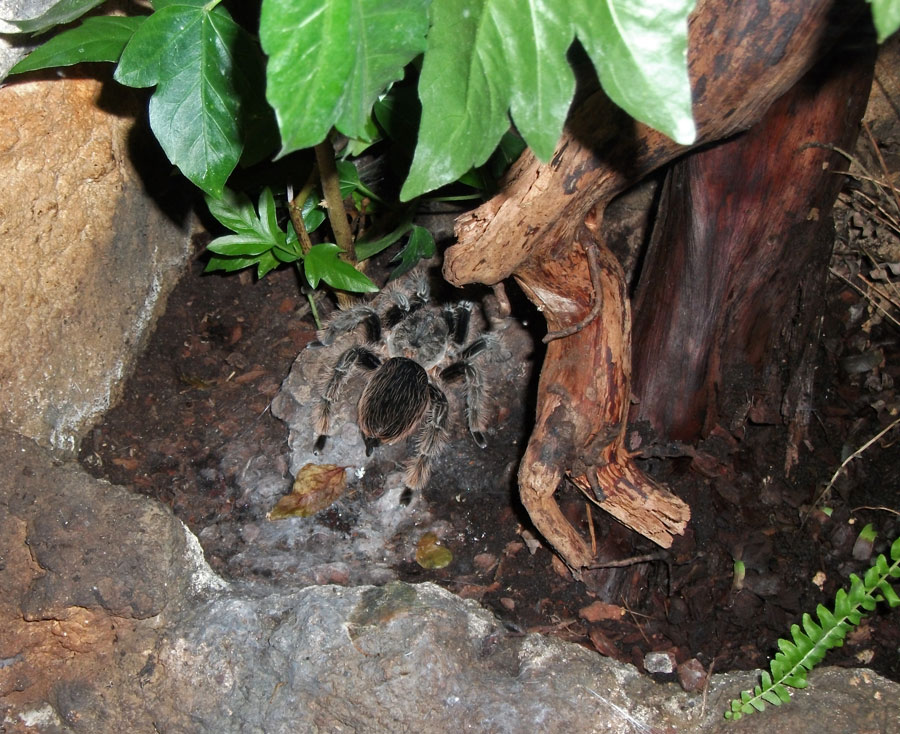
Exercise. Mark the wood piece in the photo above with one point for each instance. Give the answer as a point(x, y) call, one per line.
point(583, 399)
point(739, 255)
point(742, 57)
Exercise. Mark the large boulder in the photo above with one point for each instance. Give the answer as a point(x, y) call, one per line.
point(111, 621)
point(88, 256)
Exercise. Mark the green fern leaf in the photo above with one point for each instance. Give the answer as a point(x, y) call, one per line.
point(808, 645)
point(814, 631)
point(889, 594)
point(782, 692)
point(826, 618)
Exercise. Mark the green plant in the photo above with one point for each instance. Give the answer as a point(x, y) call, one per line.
point(225, 94)
point(808, 646)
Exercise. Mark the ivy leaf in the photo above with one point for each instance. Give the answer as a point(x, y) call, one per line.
point(886, 17)
point(486, 58)
point(322, 263)
point(97, 39)
point(330, 59)
point(192, 54)
point(639, 49)
point(64, 11)
point(465, 95)
point(256, 236)
point(419, 247)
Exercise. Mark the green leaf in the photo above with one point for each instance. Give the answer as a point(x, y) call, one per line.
point(639, 49)
point(348, 178)
point(267, 263)
point(420, 246)
point(234, 210)
point(365, 250)
point(330, 59)
point(229, 264)
point(64, 11)
point(236, 244)
point(465, 92)
point(322, 263)
point(886, 17)
point(97, 39)
point(890, 596)
point(313, 216)
point(536, 36)
point(193, 56)
point(895, 550)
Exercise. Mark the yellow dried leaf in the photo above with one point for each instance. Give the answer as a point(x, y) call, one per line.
point(315, 488)
point(431, 555)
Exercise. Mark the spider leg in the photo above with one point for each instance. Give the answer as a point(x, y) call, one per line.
point(458, 317)
point(404, 306)
point(345, 321)
point(431, 439)
point(357, 355)
point(475, 389)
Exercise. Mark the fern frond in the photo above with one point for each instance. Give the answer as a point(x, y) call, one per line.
point(808, 645)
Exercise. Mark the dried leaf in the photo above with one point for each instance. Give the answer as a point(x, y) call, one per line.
point(431, 555)
point(315, 488)
point(599, 611)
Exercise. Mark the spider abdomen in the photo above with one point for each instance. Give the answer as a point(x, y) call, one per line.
point(394, 400)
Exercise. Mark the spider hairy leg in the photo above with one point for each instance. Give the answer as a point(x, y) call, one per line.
point(474, 380)
point(345, 321)
point(458, 318)
point(358, 355)
point(431, 440)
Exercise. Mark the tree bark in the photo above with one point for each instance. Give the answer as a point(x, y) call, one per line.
point(742, 57)
point(742, 241)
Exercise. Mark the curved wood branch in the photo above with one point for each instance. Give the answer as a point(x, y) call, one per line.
point(742, 57)
point(583, 399)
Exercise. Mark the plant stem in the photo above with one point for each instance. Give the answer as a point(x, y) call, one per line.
point(295, 210)
point(334, 202)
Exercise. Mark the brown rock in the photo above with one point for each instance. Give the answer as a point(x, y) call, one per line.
point(88, 257)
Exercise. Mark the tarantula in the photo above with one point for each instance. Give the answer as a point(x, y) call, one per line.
point(404, 349)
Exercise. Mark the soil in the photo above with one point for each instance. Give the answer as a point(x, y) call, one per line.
point(195, 429)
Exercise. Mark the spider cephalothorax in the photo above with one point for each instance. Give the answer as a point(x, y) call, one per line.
point(409, 349)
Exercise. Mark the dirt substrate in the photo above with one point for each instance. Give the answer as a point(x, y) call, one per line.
point(197, 412)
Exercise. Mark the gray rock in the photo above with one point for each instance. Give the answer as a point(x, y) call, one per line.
point(170, 647)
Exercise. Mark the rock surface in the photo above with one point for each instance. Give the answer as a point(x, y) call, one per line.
point(113, 622)
point(89, 257)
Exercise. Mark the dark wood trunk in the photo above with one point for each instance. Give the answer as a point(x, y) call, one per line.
point(727, 295)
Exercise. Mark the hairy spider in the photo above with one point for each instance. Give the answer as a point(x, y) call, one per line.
point(408, 349)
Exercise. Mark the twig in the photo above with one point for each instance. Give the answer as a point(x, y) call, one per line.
point(850, 458)
point(884, 168)
point(633, 561)
point(295, 210)
point(878, 507)
point(590, 520)
point(594, 267)
point(865, 295)
point(709, 672)
point(636, 623)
